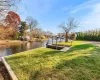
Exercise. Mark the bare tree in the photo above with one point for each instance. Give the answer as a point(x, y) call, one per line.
point(32, 23)
point(48, 34)
point(37, 33)
point(68, 26)
point(6, 6)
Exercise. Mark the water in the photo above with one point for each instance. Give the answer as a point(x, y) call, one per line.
point(21, 48)
point(24, 47)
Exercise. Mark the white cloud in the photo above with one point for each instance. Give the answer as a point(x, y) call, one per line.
point(87, 5)
point(91, 19)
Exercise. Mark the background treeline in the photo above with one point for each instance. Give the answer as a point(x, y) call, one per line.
point(90, 35)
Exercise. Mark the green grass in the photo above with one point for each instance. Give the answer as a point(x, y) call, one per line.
point(81, 62)
point(72, 44)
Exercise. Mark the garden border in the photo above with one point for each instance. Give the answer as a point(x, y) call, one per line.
point(10, 71)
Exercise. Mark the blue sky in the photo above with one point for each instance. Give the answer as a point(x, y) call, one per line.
point(50, 13)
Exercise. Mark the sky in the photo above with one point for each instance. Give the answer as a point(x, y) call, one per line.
point(51, 13)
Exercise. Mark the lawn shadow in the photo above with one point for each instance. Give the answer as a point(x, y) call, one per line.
point(81, 68)
point(74, 48)
point(52, 52)
point(14, 57)
point(69, 63)
point(60, 53)
point(81, 47)
point(35, 75)
point(78, 62)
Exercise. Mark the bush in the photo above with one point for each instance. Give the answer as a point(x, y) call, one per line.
point(91, 35)
point(72, 36)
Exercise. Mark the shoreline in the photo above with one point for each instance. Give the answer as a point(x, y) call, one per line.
point(8, 43)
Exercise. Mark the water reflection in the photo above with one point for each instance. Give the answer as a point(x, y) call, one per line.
point(5, 51)
point(21, 48)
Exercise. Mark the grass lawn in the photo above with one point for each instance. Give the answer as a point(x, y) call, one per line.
point(77, 42)
point(81, 62)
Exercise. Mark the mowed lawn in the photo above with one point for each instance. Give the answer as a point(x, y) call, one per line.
point(81, 62)
point(72, 43)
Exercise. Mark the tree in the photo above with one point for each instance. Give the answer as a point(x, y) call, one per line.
point(48, 34)
point(22, 28)
point(9, 20)
point(68, 26)
point(37, 33)
point(7, 32)
point(32, 23)
point(7, 5)
point(13, 19)
point(12, 23)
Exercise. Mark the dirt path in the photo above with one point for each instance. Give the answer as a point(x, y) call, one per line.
point(94, 42)
point(3, 73)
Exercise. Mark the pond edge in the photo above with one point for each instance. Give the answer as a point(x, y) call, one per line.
point(9, 70)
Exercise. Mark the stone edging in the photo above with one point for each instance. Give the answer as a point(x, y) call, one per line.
point(10, 71)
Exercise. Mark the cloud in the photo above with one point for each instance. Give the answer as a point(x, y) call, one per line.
point(87, 5)
point(91, 12)
point(92, 20)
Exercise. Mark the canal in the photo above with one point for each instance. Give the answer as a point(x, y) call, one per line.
point(20, 48)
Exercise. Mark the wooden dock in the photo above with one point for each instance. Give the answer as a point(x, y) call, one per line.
point(53, 43)
point(55, 47)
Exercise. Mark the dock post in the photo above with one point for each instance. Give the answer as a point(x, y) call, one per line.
point(52, 39)
point(56, 42)
point(47, 44)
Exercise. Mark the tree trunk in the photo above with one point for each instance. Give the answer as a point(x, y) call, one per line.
point(66, 37)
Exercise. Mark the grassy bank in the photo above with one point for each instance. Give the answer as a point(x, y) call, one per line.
point(8, 43)
point(82, 62)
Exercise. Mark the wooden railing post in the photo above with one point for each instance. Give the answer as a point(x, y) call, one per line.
point(56, 41)
point(52, 39)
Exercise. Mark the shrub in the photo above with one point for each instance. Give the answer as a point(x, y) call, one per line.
point(91, 35)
